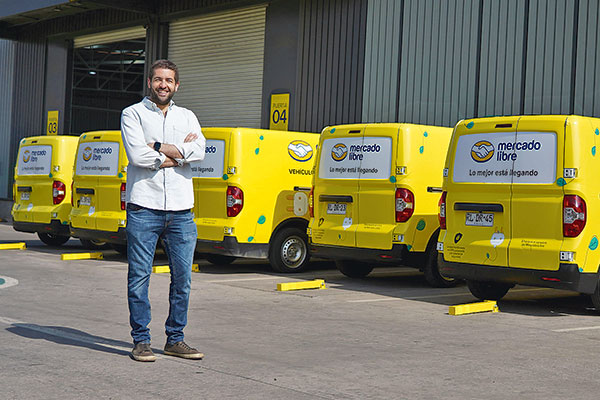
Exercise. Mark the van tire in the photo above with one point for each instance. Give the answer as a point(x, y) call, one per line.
point(288, 251)
point(431, 269)
point(353, 269)
point(488, 290)
point(120, 248)
point(595, 297)
point(93, 244)
point(219, 259)
point(53, 240)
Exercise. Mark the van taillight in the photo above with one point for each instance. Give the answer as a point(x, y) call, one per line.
point(235, 201)
point(574, 215)
point(442, 212)
point(58, 192)
point(405, 204)
point(123, 196)
point(311, 202)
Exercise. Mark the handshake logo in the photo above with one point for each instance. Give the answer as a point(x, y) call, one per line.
point(482, 151)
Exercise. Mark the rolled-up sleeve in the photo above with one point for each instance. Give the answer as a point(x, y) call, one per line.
point(138, 152)
point(193, 151)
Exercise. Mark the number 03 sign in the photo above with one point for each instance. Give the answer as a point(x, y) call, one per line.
point(280, 110)
point(52, 127)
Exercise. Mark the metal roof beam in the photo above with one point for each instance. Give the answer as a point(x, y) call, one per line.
point(139, 6)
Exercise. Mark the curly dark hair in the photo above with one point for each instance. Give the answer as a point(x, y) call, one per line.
point(164, 64)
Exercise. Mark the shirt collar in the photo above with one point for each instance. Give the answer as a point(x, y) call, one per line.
point(152, 105)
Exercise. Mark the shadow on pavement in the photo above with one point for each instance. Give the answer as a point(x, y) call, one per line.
point(70, 337)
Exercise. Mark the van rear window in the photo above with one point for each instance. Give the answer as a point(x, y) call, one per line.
point(214, 160)
point(521, 157)
point(356, 158)
point(34, 160)
point(97, 158)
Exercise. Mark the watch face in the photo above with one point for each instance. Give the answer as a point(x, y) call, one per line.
point(157, 146)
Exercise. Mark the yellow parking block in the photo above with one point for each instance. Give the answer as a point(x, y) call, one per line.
point(160, 269)
point(316, 284)
point(13, 246)
point(484, 306)
point(82, 256)
point(195, 268)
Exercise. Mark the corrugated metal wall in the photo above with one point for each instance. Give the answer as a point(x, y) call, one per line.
point(549, 73)
point(381, 60)
point(331, 63)
point(587, 81)
point(502, 60)
point(28, 98)
point(7, 67)
point(438, 66)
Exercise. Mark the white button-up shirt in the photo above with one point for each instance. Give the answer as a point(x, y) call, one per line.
point(148, 185)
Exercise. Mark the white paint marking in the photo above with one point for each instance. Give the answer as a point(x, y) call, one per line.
point(432, 296)
point(8, 282)
point(585, 328)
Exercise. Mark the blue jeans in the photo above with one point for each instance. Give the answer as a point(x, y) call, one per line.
point(178, 232)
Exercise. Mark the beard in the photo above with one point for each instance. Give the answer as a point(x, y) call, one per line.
point(160, 101)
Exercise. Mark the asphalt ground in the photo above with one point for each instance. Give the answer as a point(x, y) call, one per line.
point(64, 334)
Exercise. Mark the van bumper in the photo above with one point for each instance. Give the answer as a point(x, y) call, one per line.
point(229, 246)
point(567, 277)
point(54, 227)
point(398, 253)
point(118, 237)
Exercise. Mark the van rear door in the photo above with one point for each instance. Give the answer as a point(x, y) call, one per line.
point(336, 199)
point(376, 200)
point(537, 199)
point(478, 202)
point(85, 182)
point(108, 211)
point(210, 184)
point(34, 187)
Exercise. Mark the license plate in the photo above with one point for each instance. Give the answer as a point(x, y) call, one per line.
point(479, 219)
point(336, 208)
point(85, 201)
point(25, 196)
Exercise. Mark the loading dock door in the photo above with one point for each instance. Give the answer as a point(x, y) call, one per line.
point(220, 58)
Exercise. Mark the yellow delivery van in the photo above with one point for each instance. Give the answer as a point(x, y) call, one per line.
point(98, 213)
point(519, 204)
point(251, 196)
point(42, 188)
point(375, 197)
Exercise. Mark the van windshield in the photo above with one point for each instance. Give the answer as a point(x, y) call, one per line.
point(34, 160)
point(521, 157)
point(97, 158)
point(356, 158)
point(214, 160)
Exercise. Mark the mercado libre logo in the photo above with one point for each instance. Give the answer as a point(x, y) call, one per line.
point(482, 151)
point(26, 156)
point(299, 150)
point(87, 153)
point(339, 152)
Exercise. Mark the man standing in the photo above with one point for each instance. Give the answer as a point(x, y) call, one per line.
point(161, 140)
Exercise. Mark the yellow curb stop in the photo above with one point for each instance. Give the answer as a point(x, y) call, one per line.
point(195, 268)
point(160, 269)
point(484, 306)
point(82, 256)
point(13, 246)
point(316, 284)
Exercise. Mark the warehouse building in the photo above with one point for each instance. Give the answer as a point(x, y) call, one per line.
point(72, 66)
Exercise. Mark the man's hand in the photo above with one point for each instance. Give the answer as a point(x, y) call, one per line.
point(190, 138)
point(169, 162)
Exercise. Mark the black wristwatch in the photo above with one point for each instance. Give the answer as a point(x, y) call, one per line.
point(157, 146)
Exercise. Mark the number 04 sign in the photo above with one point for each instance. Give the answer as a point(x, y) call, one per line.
point(280, 110)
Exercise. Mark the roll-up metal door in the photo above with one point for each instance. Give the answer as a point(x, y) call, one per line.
point(220, 59)
point(120, 35)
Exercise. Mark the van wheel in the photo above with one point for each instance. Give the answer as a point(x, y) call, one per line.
point(596, 298)
point(488, 290)
point(353, 269)
point(431, 269)
point(53, 240)
point(219, 259)
point(93, 244)
point(120, 248)
point(288, 251)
